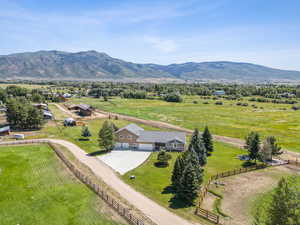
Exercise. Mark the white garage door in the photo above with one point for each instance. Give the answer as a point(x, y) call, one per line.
point(146, 147)
point(120, 145)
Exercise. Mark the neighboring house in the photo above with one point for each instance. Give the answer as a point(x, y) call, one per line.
point(69, 122)
point(42, 106)
point(67, 95)
point(4, 131)
point(133, 136)
point(85, 110)
point(218, 93)
point(47, 115)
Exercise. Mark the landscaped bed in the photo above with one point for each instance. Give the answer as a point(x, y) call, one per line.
point(36, 188)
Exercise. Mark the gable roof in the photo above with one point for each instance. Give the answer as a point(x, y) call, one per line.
point(133, 128)
point(161, 136)
point(4, 129)
point(84, 107)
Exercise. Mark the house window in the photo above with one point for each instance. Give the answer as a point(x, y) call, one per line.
point(121, 136)
point(129, 136)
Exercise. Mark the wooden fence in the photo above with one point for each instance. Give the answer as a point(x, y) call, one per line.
point(112, 202)
point(208, 215)
point(294, 162)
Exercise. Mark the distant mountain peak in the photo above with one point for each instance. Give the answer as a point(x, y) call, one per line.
point(91, 64)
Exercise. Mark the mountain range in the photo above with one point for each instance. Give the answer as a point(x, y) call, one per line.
point(58, 65)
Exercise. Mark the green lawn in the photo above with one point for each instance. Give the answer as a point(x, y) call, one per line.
point(155, 182)
point(36, 189)
point(58, 114)
point(228, 119)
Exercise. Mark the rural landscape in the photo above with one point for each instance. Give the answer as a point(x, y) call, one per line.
point(154, 112)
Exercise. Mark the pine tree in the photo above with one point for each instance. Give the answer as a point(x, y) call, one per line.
point(191, 157)
point(253, 145)
point(285, 207)
point(208, 141)
point(107, 137)
point(177, 172)
point(189, 185)
point(85, 133)
point(198, 146)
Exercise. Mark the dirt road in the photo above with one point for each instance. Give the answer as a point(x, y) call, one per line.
point(152, 210)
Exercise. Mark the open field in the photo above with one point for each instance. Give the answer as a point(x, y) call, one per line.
point(38, 189)
point(28, 86)
point(155, 182)
point(226, 120)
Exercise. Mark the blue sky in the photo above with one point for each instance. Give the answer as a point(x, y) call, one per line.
point(265, 32)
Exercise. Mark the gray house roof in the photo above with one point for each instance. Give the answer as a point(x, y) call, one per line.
point(4, 129)
point(84, 107)
point(133, 128)
point(161, 136)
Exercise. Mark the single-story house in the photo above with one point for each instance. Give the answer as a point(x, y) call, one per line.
point(133, 136)
point(42, 106)
point(85, 110)
point(219, 92)
point(4, 131)
point(69, 122)
point(47, 115)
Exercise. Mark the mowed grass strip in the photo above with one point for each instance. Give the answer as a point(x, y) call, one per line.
point(37, 189)
point(227, 119)
point(155, 182)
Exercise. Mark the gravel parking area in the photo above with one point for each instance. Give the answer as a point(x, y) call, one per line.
point(124, 160)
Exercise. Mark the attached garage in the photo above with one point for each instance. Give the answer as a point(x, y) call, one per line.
point(120, 145)
point(146, 147)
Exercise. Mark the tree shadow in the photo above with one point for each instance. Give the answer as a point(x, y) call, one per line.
point(248, 164)
point(175, 202)
point(83, 139)
point(100, 152)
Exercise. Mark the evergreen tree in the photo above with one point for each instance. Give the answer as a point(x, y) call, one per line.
point(107, 137)
point(285, 205)
point(253, 145)
point(208, 141)
point(197, 145)
point(177, 172)
point(189, 185)
point(85, 133)
point(191, 157)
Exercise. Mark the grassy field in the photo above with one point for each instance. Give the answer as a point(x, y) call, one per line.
point(155, 182)
point(28, 86)
point(227, 120)
point(36, 189)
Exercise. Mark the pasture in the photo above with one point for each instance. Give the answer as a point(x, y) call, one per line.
point(228, 119)
point(36, 188)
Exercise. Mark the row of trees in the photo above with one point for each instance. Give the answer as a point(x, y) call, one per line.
point(264, 151)
point(187, 174)
point(23, 115)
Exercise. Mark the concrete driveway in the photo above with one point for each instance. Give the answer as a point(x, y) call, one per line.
point(123, 161)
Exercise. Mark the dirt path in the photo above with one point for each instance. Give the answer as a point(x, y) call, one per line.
point(158, 214)
point(240, 191)
point(68, 112)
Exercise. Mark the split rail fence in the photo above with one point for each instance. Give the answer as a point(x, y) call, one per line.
point(112, 202)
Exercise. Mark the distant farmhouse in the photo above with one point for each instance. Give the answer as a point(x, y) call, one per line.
point(83, 109)
point(219, 92)
point(4, 131)
point(135, 137)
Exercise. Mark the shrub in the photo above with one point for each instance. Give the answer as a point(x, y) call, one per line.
point(162, 159)
point(219, 103)
point(205, 103)
point(195, 102)
point(173, 97)
point(296, 107)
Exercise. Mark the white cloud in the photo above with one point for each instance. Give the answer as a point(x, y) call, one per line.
point(164, 45)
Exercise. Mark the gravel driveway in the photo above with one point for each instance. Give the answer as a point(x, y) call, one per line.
point(124, 160)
